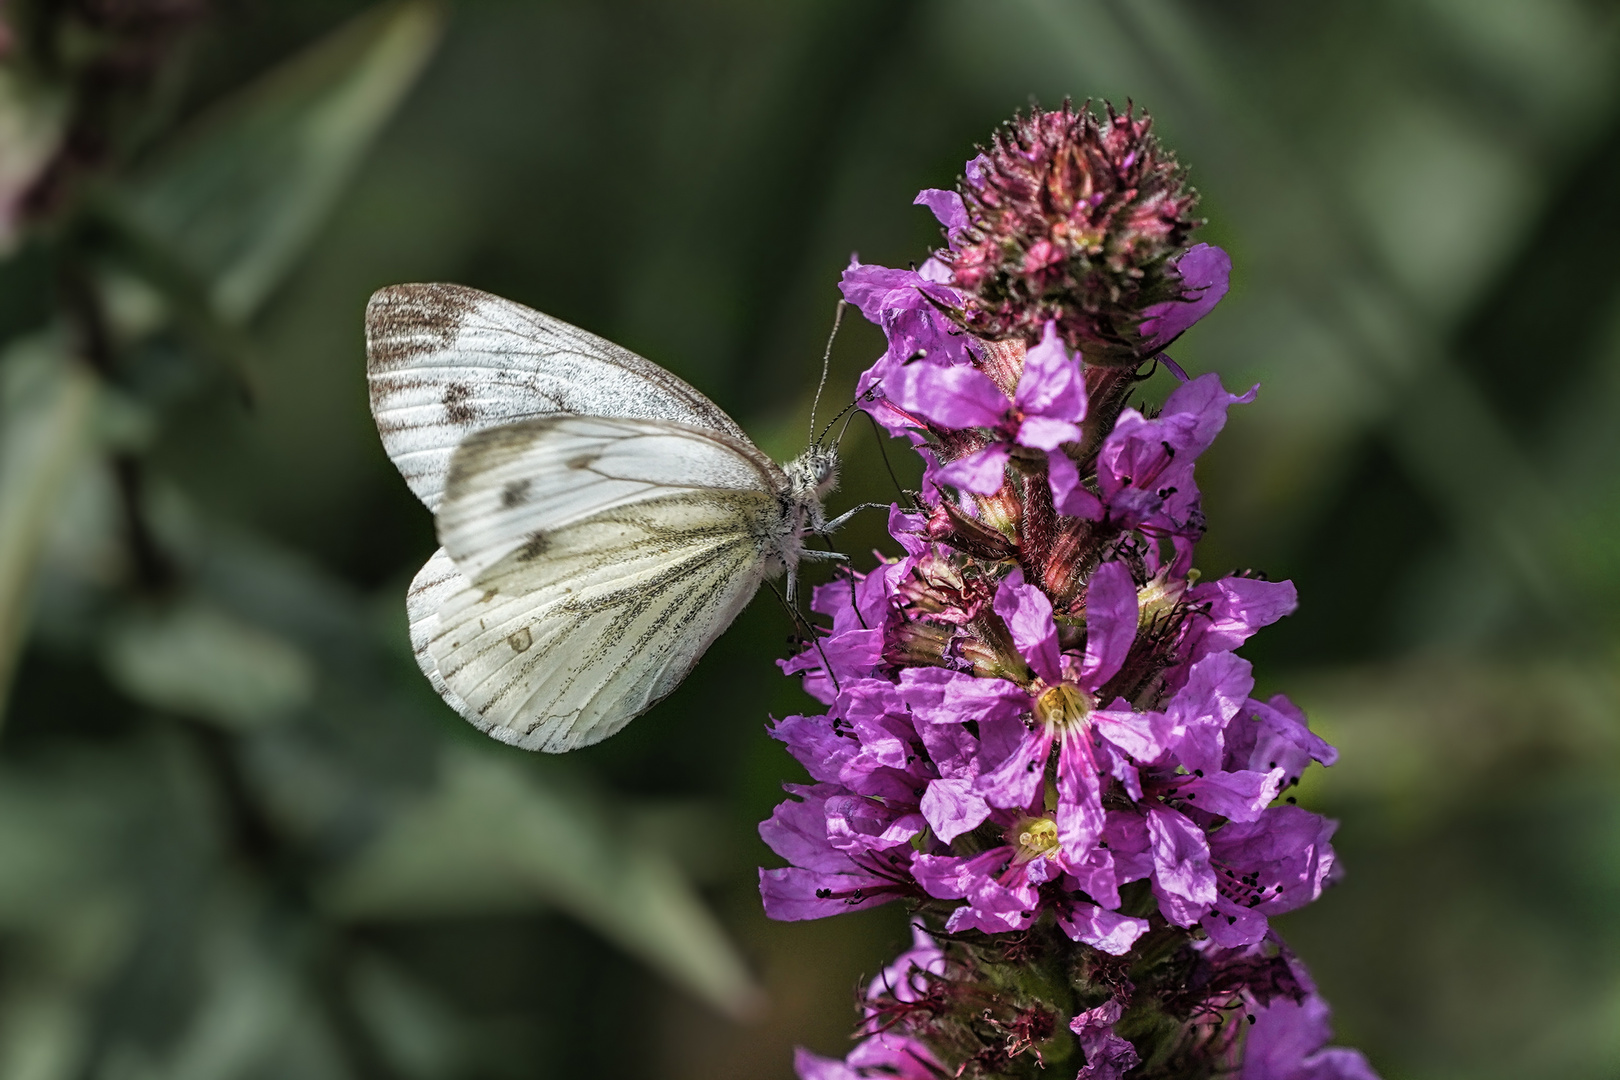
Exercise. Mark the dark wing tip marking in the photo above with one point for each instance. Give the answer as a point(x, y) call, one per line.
point(406, 321)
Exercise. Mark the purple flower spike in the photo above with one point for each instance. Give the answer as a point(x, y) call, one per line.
point(1037, 730)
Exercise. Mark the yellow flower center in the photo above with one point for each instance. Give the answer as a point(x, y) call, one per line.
point(1035, 837)
point(1160, 596)
point(1063, 706)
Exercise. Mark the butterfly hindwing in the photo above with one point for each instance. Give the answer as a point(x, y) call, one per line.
point(445, 361)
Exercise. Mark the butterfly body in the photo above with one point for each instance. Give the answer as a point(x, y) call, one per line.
point(602, 522)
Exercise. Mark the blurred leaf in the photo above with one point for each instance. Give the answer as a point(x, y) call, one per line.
point(42, 1033)
point(1431, 727)
point(196, 660)
point(416, 1032)
point(45, 419)
point(255, 1017)
point(494, 836)
point(240, 197)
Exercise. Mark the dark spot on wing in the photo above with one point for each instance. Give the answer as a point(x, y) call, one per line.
point(514, 493)
point(520, 639)
point(538, 544)
point(455, 403)
point(583, 461)
point(404, 322)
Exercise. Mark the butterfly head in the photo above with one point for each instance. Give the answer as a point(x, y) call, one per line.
point(813, 474)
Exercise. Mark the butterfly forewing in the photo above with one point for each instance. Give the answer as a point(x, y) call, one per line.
point(600, 558)
point(444, 361)
point(512, 488)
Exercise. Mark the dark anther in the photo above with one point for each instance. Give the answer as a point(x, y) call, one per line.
point(823, 894)
point(1250, 1018)
point(1198, 772)
point(1292, 801)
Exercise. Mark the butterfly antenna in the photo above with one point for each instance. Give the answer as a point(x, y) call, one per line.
point(845, 411)
point(809, 631)
point(826, 363)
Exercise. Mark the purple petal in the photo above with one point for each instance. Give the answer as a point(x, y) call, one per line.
point(1238, 796)
point(1051, 386)
point(1130, 844)
point(971, 917)
point(1183, 879)
point(1045, 433)
point(1108, 1056)
point(1237, 607)
point(1111, 616)
point(1274, 736)
point(952, 397)
point(1028, 615)
point(1233, 927)
point(812, 741)
point(797, 831)
point(1109, 931)
point(1205, 273)
point(857, 825)
point(1016, 782)
point(893, 1056)
point(1286, 848)
point(791, 894)
point(947, 207)
point(981, 472)
point(1202, 404)
point(1285, 1043)
point(1068, 495)
point(947, 877)
point(952, 808)
point(1145, 736)
point(811, 1066)
point(868, 286)
point(941, 696)
point(1079, 813)
point(1096, 876)
point(1216, 688)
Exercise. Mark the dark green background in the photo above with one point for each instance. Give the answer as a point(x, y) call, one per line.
point(1420, 202)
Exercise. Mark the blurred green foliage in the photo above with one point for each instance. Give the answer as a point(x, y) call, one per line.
point(240, 837)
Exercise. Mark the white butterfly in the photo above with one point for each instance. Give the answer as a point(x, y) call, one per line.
point(602, 521)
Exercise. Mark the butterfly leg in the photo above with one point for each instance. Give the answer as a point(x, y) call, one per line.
point(839, 521)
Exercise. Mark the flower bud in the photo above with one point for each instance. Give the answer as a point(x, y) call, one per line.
point(1076, 219)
